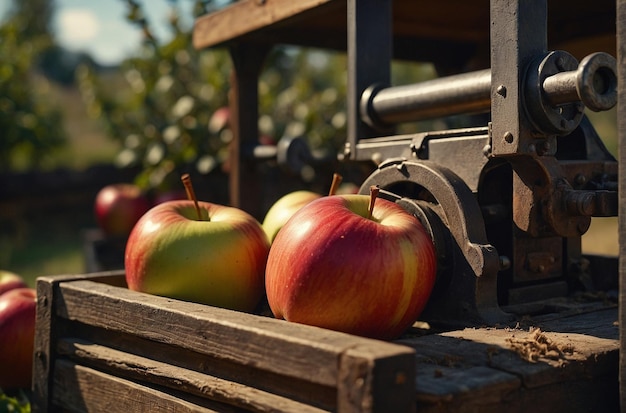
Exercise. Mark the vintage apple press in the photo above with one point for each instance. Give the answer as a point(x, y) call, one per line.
point(508, 191)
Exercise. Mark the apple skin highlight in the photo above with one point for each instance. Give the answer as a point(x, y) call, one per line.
point(219, 260)
point(17, 337)
point(332, 267)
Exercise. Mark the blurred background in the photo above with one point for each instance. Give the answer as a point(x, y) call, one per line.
point(93, 93)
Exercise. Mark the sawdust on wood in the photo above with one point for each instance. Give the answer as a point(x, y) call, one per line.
point(538, 346)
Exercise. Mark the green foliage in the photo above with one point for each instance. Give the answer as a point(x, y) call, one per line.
point(162, 105)
point(31, 126)
point(162, 110)
point(14, 404)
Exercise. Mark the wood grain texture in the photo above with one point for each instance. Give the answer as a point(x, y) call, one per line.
point(621, 130)
point(138, 368)
point(107, 342)
point(238, 337)
point(246, 16)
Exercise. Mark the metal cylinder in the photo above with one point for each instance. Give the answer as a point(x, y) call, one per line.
point(594, 83)
point(464, 93)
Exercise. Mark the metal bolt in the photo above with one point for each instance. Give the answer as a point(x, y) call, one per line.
point(347, 150)
point(487, 150)
point(508, 137)
point(580, 179)
point(501, 90)
point(505, 263)
point(581, 203)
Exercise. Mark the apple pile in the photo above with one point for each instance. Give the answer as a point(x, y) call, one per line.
point(330, 261)
point(341, 264)
point(200, 252)
point(17, 331)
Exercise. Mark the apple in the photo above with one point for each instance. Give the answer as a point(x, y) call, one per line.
point(10, 281)
point(341, 264)
point(200, 252)
point(283, 209)
point(17, 337)
point(280, 212)
point(118, 207)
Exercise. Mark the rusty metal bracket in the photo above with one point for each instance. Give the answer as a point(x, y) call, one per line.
point(471, 279)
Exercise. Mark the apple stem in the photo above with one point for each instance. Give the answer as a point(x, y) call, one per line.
point(191, 195)
point(337, 178)
point(373, 195)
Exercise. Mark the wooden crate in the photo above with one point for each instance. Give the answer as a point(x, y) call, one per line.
point(100, 347)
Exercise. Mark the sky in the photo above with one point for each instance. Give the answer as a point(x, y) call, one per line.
point(100, 28)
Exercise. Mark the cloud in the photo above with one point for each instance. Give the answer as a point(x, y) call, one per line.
point(77, 27)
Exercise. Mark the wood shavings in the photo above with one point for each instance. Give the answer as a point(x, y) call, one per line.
point(538, 346)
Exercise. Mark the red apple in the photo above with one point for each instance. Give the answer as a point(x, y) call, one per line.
point(334, 266)
point(218, 259)
point(118, 207)
point(280, 212)
point(17, 337)
point(10, 281)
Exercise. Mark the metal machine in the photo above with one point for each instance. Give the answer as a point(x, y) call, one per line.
point(506, 198)
point(506, 202)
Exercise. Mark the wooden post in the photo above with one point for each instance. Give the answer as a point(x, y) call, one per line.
point(244, 114)
point(621, 128)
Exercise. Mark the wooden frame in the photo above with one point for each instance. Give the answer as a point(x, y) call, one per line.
point(100, 347)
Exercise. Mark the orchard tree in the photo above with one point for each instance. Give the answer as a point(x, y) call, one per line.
point(31, 126)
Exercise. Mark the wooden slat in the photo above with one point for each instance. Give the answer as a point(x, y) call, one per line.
point(136, 368)
point(287, 349)
point(81, 389)
point(478, 369)
point(46, 330)
point(448, 26)
point(246, 16)
point(621, 128)
point(299, 389)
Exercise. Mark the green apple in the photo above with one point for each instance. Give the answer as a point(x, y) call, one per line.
point(214, 254)
point(280, 212)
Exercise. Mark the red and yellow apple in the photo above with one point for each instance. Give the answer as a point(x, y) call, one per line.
point(217, 258)
point(280, 212)
point(9, 281)
point(17, 337)
point(334, 265)
point(118, 207)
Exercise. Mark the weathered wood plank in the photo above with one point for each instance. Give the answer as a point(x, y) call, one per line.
point(290, 350)
point(484, 369)
point(81, 389)
point(244, 17)
point(299, 389)
point(46, 331)
point(239, 337)
point(124, 365)
point(621, 128)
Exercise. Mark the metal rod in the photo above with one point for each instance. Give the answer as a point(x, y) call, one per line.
point(594, 83)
